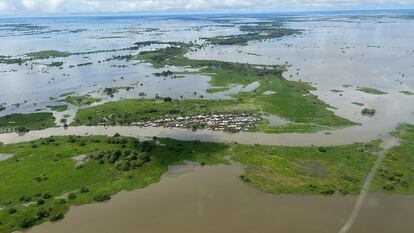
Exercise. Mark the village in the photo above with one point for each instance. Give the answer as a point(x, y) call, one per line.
point(215, 122)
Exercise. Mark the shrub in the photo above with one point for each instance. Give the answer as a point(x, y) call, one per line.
point(47, 195)
point(244, 178)
point(102, 197)
point(12, 211)
point(322, 149)
point(40, 202)
point(42, 213)
point(328, 191)
point(27, 222)
point(84, 190)
point(57, 217)
point(72, 196)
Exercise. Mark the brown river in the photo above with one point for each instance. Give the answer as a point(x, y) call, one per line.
point(208, 199)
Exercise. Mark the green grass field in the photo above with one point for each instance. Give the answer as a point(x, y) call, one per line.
point(127, 111)
point(24, 122)
point(397, 172)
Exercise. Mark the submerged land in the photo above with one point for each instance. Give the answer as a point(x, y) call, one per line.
point(222, 75)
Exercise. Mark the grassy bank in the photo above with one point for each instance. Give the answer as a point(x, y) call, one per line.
point(47, 176)
point(397, 172)
point(25, 122)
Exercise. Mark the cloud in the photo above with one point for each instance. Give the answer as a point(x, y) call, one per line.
point(87, 6)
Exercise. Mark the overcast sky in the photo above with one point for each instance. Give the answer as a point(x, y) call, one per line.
point(40, 7)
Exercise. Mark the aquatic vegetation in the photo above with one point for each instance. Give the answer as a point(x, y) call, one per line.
point(48, 54)
point(58, 108)
point(24, 122)
point(396, 174)
point(217, 89)
point(368, 111)
point(81, 100)
point(370, 90)
point(358, 104)
point(110, 91)
point(55, 64)
point(406, 92)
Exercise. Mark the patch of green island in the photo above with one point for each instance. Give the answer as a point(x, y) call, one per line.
point(48, 54)
point(291, 100)
point(371, 90)
point(358, 104)
point(81, 100)
point(406, 92)
point(254, 33)
point(47, 176)
point(110, 91)
point(58, 108)
point(217, 89)
point(24, 122)
point(125, 112)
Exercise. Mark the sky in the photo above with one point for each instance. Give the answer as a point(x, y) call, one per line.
point(45, 7)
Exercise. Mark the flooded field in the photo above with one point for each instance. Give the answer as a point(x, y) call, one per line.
point(337, 54)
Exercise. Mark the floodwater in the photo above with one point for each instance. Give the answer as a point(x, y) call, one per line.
point(335, 52)
point(213, 199)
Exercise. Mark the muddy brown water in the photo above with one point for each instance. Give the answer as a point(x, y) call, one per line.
point(191, 198)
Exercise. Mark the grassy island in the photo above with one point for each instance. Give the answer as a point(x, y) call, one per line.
point(24, 122)
point(371, 90)
point(81, 100)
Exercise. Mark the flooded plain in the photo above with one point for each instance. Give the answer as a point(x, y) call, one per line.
point(336, 53)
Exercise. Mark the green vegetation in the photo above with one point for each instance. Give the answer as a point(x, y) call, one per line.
point(81, 100)
point(370, 90)
point(24, 122)
point(128, 111)
point(358, 104)
point(47, 171)
point(43, 171)
point(58, 108)
point(290, 99)
point(48, 54)
point(67, 94)
point(406, 92)
point(253, 33)
point(110, 91)
point(306, 170)
point(368, 111)
point(55, 64)
point(217, 89)
point(396, 174)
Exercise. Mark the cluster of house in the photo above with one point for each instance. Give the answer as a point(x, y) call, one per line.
point(217, 122)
